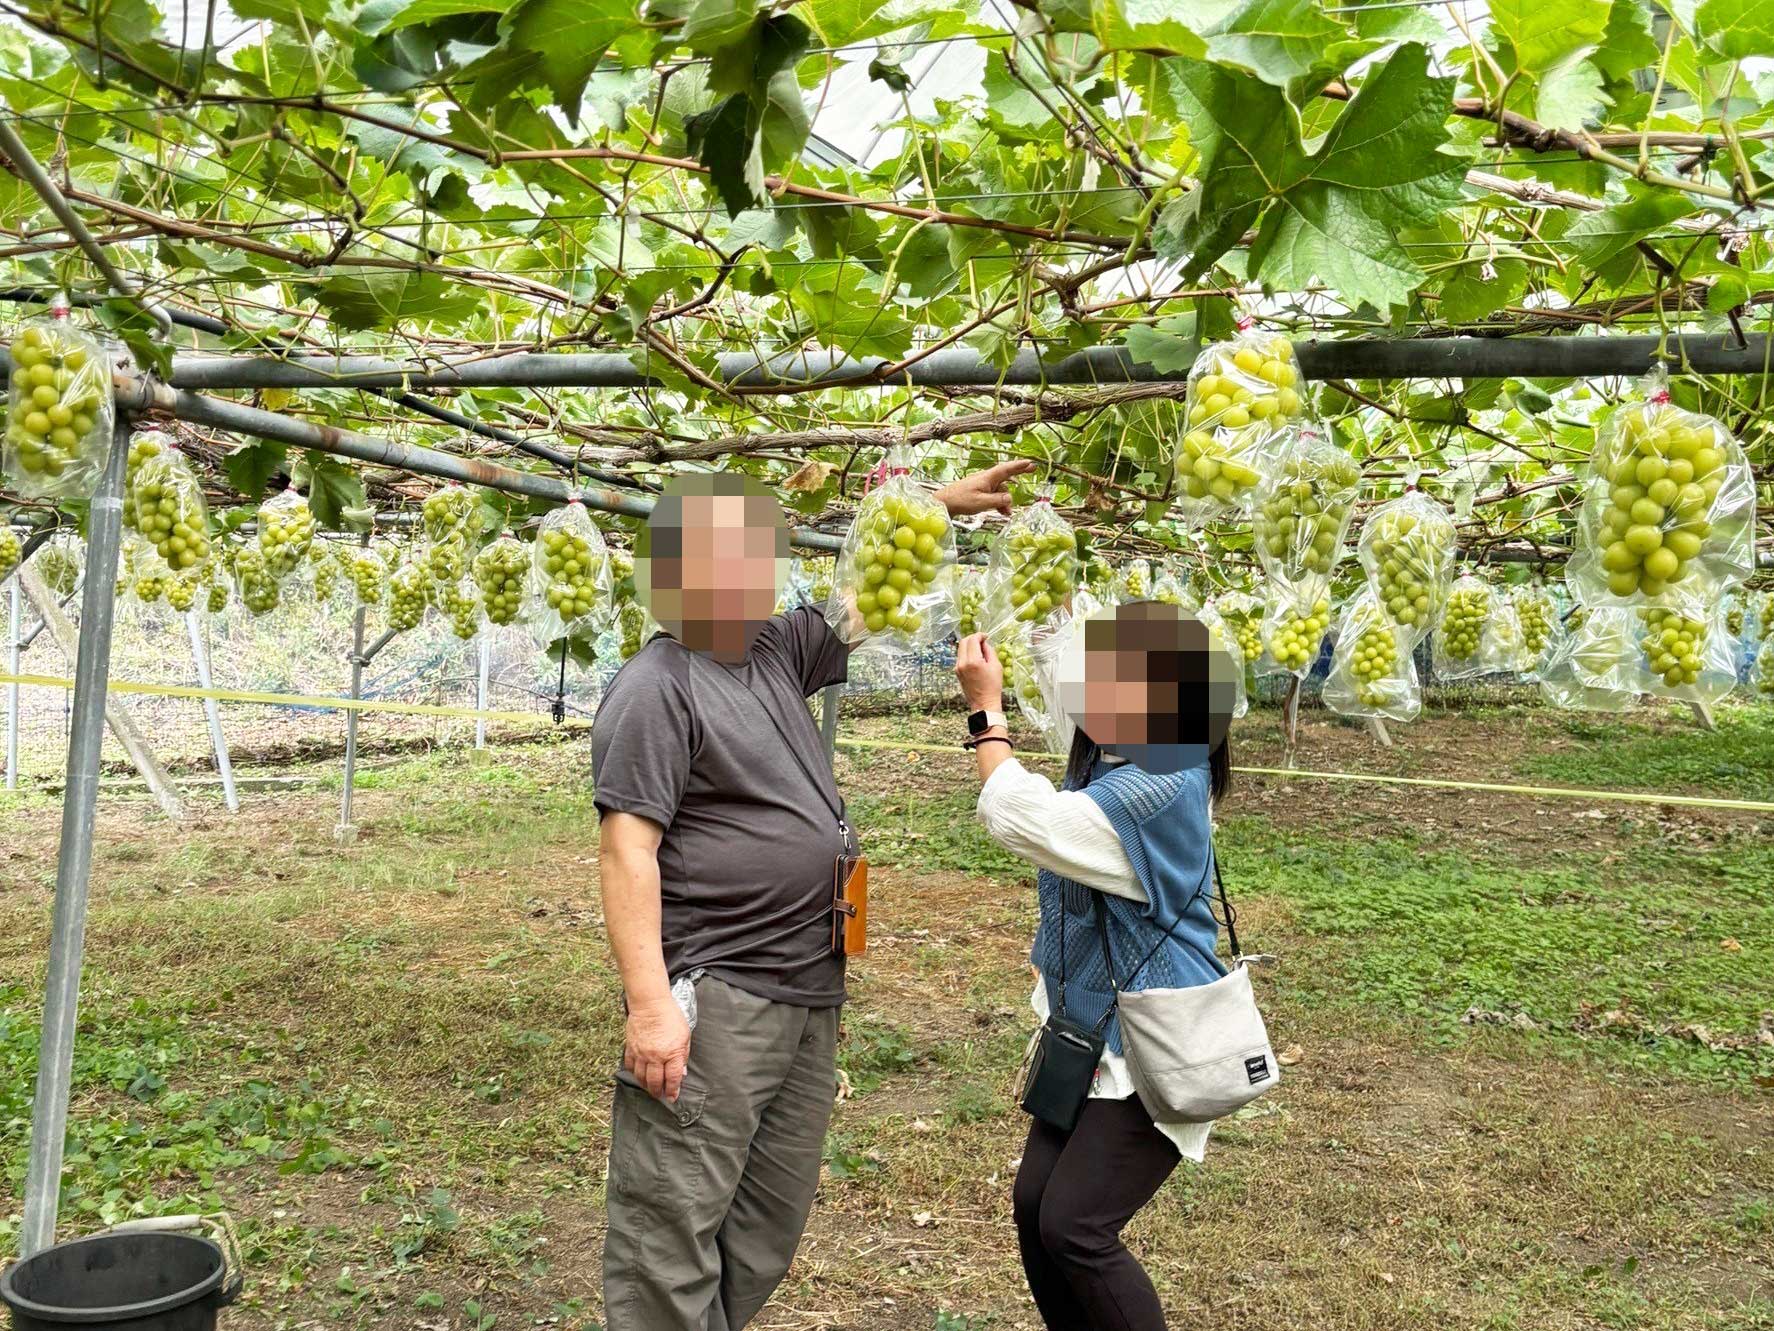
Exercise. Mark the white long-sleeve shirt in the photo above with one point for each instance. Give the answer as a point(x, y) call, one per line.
point(1067, 832)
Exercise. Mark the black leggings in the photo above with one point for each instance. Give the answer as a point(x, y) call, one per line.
point(1074, 1193)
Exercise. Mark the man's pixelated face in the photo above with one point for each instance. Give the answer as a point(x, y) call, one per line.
point(1149, 682)
point(711, 561)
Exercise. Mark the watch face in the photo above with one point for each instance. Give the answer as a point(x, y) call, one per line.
point(977, 723)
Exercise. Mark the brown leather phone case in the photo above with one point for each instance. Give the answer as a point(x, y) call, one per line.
point(850, 906)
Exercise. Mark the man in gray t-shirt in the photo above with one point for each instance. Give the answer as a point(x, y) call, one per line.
point(721, 829)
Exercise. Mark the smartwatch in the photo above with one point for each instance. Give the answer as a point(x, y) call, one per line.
point(980, 722)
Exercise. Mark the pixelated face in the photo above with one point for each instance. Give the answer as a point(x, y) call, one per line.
point(711, 561)
point(1149, 683)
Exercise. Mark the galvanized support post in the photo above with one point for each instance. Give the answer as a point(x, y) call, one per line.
point(224, 766)
point(828, 722)
point(73, 872)
point(345, 832)
point(15, 622)
point(480, 692)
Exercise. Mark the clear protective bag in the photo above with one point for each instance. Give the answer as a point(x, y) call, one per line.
point(163, 503)
point(12, 550)
point(500, 571)
point(1033, 568)
point(1304, 507)
point(1407, 549)
point(632, 629)
point(461, 606)
point(366, 570)
point(896, 567)
point(1242, 614)
point(1168, 588)
point(1761, 675)
point(1241, 393)
point(1587, 670)
point(1373, 671)
point(182, 590)
point(1133, 582)
point(409, 589)
point(970, 599)
point(254, 582)
point(450, 518)
point(570, 589)
point(1684, 658)
point(1296, 616)
point(1668, 516)
point(1541, 630)
point(797, 588)
point(59, 562)
point(1222, 638)
point(1765, 616)
point(142, 576)
point(1473, 637)
point(216, 587)
point(59, 409)
point(286, 530)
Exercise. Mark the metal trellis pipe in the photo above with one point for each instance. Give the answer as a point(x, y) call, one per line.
point(15, 622)
point(73, 872)
point(212, 710)
point(956, 367)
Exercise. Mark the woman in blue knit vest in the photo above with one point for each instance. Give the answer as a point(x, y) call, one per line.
point(1132, 847)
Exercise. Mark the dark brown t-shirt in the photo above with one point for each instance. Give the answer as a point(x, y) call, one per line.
point(751, 834)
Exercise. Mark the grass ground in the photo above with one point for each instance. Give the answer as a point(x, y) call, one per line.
point(1530, 1043)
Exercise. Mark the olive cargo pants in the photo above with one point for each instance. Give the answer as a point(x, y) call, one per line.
point(708, 1196)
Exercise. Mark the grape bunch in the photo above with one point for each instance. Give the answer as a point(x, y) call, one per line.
point(1249, 379)
point(1765, 617)
point(898, 556)
point(367, 572)
point(447, 514)
point(59, 567)
point(1295, 638)
point(1764, 669)
point(1213, 467)
point(1463, 622)
point(1246, 627)
point(254, 578)
point(571, 565)
point(143, 444)
point(1410, 554)
point(406, 598)
point(1734, 617)
point(1043, 569)
point(57, 407)
point(461, 607)
point(499, 571)
point(166, 507)
point(1019, 668)
point(1535, 614)
point(821, 587)
point(1300, 520)
point(1663, 470)
point(1373, 662)
point(181, 592)
point(286, 530)
point(11, 551)
point(970, 599)
point(149, 587)
point(1674, 646)
point(217, 600)
point(1135, 582)
point(631, 624)
point(326, 570)
point(1168, 589)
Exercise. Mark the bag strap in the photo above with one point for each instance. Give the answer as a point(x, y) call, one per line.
point(1170, 933)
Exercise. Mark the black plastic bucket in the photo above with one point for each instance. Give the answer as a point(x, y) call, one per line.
point(144, 1281)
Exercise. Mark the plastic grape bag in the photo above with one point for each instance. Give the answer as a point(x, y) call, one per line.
point(1373, 673)
point(1133, 582)
point(367, 571)
point(182, 589)
point(1296, 616)
point(797, 588)
point(1033, 567)
point(1541, 629)
point(1736, 612)
point(58, 562)
point(1684, 658)
point(896, 566)
point(633, 627)
point(1242, 614)
point(12, 550)
point(451, 521)
point(408, 595)
point(323, 564)
point(1241, 393)
point(164, 503)
point(1169, 588)
point(1049, 643)
point(500, 570)
point(253, 579)
point(1407, 550)
point(1304, 507)
point(58, 422)
point(823, 574)
point(215, 588)
point(1668, 515)
point(1586, 671)
point(461, 605)
point(286, 530)
point(1761, 676)
point(570, 588)
point(142, 576)
point(1473, 637)
point(970, 599)
point(1222, 638)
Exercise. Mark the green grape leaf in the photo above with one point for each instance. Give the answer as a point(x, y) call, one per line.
point(1153, 26)
point(1292, 44)
point(1542, 34)
point(565, 39)
point(333, 488)
point(890, 73)
point(844, 22)
point(377, 298)
point(1596, 238)
point(1569, 94)
point(1169, 346)
point(1735, 29)
point(725, 140)
point(251, 466)
point(1627, 44)
point(1468, 294)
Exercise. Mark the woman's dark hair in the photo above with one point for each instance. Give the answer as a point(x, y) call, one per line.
point(1081, 762)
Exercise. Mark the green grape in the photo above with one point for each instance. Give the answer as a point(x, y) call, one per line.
point(1213, 467)
point(447, 515)
point(1734, 619)
point(150, 587)
point(622, 574)
point(571, 564)
point(11, 551)
point(970, 597)
point(1019, 669)
point(286, 530)
point(253, 576)
point(631, 621)
point(1295, 639)
point(1674, 646)
point(59, 567)
point(461, 607)
point(1300, 522)
point(1766, 616)
point(367, 572)
point(165, 506)
point(1043, 570)
point(821, 590)
point(1411, 556)
point(181, 592)
point(406, 598)
point(898, 555)
point(326, 570)
point(499, 572)
point(1574, 620)
point(218, 596)
point(143, 445)
point(1374, 662)
point(1663, 470)
point(1764, 671)
point(1246, 628)
point(57, 404)
point(1135, 582)
point(1463, 622)
point(1252, 378)
point(1534, 612)
point(1167, 589)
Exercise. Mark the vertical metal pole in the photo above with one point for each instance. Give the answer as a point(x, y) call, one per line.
point(12, 641)
point(224, 765)
point(67, 937)
point(351, 723)
point(480, 693)
point(828, 723)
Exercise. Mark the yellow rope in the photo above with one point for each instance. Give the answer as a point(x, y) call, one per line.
point(278, 699)
point(1551, 792)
